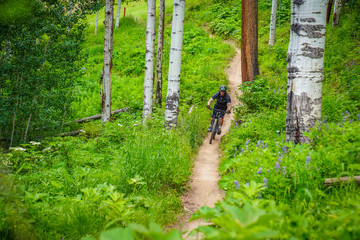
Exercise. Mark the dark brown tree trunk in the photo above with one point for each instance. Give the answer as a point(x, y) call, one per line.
point(159, 55)
point(249, 40)
point(328, 11)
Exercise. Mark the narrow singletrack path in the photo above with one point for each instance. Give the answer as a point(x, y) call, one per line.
point(204, 189)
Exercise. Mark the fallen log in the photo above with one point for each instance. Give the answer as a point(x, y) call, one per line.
point(81, 120)
point(338, 181)
point(73, 133)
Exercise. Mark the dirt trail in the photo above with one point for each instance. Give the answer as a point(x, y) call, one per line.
point(204, 189)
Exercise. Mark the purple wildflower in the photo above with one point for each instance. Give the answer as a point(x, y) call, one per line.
point(236, 184)
point(241, 150)
point(247, 184)
point(344, 119)
point(324, 120)
point(260, 170)
point(259, 196)
point(232, 170)
point(308, 159)
point(284, 170)
point(284, 148)
point(265, 182)
point(277, 166)
point(351, 121)
point(247, 142)
point(265, 145)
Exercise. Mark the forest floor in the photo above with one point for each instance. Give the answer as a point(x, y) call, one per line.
point(204, 190)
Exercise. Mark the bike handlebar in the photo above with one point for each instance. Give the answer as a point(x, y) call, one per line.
point(216, 109)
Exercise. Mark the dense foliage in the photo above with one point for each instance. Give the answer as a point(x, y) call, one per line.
point(275, 189)
point(41, 58)
point(122, 172)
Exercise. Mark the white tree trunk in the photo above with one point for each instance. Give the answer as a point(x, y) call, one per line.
point(159, 55)
point(118, 14)
point(172, 97)
point(149, 59)
point(305, 67)
point(108, 49)
point(96, 22)
point(273, 23)
point(336, 14)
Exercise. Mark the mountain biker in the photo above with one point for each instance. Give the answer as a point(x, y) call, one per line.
point(223, 102)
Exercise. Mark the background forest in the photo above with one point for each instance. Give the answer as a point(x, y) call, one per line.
point(123, 172)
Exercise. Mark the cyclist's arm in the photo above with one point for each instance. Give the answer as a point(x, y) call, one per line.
point(229, 106)
point(210, 101)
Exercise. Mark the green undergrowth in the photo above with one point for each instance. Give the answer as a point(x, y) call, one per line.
point(121, 172)
point(275, 190)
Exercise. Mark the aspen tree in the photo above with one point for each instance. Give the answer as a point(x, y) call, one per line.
point(96, 22)
point(159, 55)
point(305, 60)
point(108, 50)
point(336, 14)
point(118, 14)
point(149, 59)
point(273, 23)
point(172, 97)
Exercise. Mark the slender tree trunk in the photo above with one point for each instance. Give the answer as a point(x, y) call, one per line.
point(118, 14)
point(172, 97)
point(328, 11)
point(249, 40)
point(305, 67)
point(336, 14)
point(279, 12)
point(273, 23)
point(159, 55)
point(70, 11)
point(149, 59)
point(96, 22)
point(108, 50)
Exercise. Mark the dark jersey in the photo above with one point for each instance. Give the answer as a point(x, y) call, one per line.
point(221, 101)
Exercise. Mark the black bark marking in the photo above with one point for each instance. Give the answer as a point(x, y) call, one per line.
point(299, 2)
point(308, 20)
point(292, 69)
point(312, 52)
point(312, 31)
point(288, 58)
point(300, 107)
point(171, 102)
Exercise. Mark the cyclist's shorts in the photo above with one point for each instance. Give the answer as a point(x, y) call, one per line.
point(222, 114)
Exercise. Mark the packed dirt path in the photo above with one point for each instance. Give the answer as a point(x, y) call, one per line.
point(204, 190)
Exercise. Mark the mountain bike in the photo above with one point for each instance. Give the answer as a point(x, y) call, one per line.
point(215, 123)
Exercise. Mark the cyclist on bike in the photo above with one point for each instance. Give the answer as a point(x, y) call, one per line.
point(223, 102)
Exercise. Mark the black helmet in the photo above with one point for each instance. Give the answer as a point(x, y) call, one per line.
point(223, 88)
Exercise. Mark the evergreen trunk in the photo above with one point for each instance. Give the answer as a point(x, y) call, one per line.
point(336, 14)
point(172, 98)
point(249, 40)
point(159, 55)
point(118, 14)
point(149, 59)
point(305, 67)
point(273, 23)
point(108, 49)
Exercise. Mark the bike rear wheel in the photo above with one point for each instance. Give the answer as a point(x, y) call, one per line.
point(213, 131)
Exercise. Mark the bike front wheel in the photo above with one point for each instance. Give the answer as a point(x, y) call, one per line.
point(213, 131)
